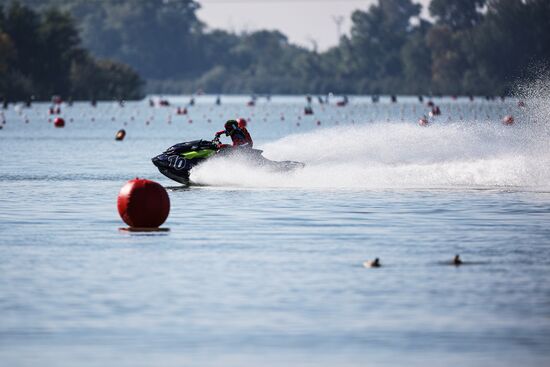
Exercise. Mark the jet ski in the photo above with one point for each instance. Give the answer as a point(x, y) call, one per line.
point(177, 161)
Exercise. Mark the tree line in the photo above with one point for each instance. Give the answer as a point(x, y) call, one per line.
point(467, 47)
point(41, 56)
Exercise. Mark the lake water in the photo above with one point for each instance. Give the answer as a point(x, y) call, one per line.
point(263, 268)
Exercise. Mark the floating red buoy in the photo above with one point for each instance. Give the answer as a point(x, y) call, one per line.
point(143, 203)
point(508, 120)
point(120, 135)
point(59, 122)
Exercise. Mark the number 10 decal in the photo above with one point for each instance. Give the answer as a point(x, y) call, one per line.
point(176, 162)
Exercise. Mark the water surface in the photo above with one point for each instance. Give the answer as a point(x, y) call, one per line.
point(261, 268)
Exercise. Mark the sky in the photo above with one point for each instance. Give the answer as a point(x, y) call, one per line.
point(305, 22)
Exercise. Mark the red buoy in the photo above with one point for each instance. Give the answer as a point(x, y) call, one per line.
point(508, 120)
point(423, 121)
point(143, 203)
point(120, 135)
point(59, 122)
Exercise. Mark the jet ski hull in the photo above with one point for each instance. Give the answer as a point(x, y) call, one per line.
point(177, 161)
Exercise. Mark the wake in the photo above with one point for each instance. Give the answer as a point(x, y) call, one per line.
point(397, 155)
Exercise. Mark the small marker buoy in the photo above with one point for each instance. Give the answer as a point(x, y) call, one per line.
point(58, 122)
point(120, 135)
point(143, 204)
point(508, 120)
point(318, 123)
point(372, 264)
point(423, 121)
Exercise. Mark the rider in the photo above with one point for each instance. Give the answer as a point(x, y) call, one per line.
point(236, 134)
point(242, 125)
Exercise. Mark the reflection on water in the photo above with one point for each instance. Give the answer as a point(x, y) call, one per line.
point(261, 269)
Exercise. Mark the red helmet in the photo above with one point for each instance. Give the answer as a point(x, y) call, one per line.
point(241, 122)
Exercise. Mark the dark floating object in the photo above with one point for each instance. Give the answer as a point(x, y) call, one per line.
point(457, 261)
point(436, 111)
point(393, 98)
point(372, 264)
point(120, 135)
point(308, 110)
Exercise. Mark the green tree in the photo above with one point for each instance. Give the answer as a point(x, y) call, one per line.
point(377, 36)
point(455, 14)
point(60, 46)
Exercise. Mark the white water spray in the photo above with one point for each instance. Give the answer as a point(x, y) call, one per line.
point(404, 155)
